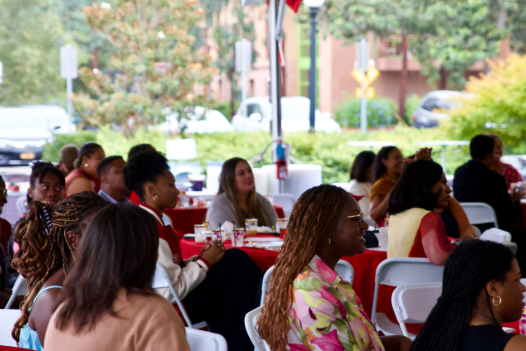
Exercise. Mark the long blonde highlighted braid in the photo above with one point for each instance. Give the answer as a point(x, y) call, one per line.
point(44, 247)
point(311, 223)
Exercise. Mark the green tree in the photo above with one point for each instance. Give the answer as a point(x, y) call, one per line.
point(156, 69)
point(497, 103)
point(30, 38)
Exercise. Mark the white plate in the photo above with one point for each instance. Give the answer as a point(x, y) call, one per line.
point(192, 236)
point(269, 245)
point(377, 248)
point(256, 239)
point(508, 330)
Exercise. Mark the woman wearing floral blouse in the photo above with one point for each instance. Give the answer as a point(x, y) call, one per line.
point(308, 306)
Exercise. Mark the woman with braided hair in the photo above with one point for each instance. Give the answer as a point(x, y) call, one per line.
point(481, 290)
point(308, 306)
point(48, 240)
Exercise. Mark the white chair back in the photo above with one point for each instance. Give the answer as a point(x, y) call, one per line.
point(343, 268)
point(200, 340)
point(286, 201)
point(251, 320)
point(162, 280)
point(479, 213)
point(404, 271)
point(7, 321)
point(413, 303)
point(19, 289)
point(21, 206)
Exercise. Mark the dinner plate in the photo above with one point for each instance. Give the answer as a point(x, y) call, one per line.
point(269, 245)
point(508, 330)
point(377, 248)
point(256, 239)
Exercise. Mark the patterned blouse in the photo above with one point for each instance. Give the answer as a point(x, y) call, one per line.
point(511, 175)
point(327, 315)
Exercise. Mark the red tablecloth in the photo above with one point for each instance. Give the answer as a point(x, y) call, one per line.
point(9, 348)
point(184, 219)
point(364, 271)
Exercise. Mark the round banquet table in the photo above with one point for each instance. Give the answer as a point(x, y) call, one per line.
point(364, 270)
point(184, 218)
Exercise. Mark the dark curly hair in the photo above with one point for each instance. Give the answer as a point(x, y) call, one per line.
point(139, 148)
point(144, 167)
point(39, 171)
point(44, 248)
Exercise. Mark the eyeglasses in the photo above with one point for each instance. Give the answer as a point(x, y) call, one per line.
point(358, 217)
point(3, 192)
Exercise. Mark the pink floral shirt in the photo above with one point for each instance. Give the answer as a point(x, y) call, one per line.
point(326, 314)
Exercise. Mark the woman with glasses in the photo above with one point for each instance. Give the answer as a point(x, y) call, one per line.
point(308, 306)
point(415, 226)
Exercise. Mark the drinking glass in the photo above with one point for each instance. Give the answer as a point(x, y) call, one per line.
point(218, 234)
point(281, 223)
point(239, 235)
point(199, 231)
point(251, 225)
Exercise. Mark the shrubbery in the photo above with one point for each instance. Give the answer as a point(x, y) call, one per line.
point(329, 150)
point(380, 113)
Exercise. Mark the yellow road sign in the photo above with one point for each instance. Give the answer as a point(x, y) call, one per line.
point(369, 93)
point(372, 74)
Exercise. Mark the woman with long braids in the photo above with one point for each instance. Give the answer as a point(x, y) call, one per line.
point(481, 290)
point(218, 286)
point(48, 240)
point(308, 306)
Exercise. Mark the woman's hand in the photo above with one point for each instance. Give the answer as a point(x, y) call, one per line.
point(213, 252)
point(396, 343)
point(424, 154)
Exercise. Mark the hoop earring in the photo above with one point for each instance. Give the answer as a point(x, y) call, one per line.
point(329, 241)
point(496, 304)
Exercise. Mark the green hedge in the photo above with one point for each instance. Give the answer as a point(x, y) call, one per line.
point(380, 113)
point(329, 150)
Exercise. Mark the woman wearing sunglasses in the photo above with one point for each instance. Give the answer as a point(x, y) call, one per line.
point(308, 306)
point(415, 226)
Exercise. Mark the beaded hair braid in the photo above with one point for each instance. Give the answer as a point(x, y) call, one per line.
point(44, 247)
point(312, 221)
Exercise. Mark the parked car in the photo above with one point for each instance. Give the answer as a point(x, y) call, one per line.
point(295, 112)
point(213, 121)
point(56, 117)
point(23, 133)
point(434, 106)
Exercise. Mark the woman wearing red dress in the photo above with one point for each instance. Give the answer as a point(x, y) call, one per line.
point(506, 170)
point(84, 177)
point(218, 286)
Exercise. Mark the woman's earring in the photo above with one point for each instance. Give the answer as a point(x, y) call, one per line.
point(86, 165)
point(329, 241)
point(500, 301)
point(155, 198)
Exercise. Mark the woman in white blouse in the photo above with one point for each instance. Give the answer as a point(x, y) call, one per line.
point(362, 179)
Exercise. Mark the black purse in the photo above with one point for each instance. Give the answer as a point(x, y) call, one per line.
point(370, 239)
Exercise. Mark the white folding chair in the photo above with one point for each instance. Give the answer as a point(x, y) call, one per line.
point(397, 272)
point(287, 201)
point(251, 320)
point(162, 280)
point(413, 303)
point(21, 205)
point(200, 340)
point(19, 289)
point(343, 268)
point(7, 322)
point(479, 213)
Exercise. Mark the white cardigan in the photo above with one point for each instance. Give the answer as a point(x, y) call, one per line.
point(183, 279)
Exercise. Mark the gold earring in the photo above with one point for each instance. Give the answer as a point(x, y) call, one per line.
point(496, 304)
point(86, 165)
point(329, 241)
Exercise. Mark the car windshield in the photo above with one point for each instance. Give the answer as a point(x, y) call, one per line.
point(295, 110)
point(17, 120)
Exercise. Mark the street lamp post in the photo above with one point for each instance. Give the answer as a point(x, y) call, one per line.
point(313, 5)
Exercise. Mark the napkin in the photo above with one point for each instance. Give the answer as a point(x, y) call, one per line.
point(228, 227)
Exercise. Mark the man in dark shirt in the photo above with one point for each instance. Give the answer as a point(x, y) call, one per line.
point(475, 182)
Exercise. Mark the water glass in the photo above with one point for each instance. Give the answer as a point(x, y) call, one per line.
point(239, 235)
point(199, 231)
point(251, 226)
point(281, 224)
point(218, 234)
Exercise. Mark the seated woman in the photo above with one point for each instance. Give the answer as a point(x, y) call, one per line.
point(387, 170)
point(68, 154)
point(237, 198)
point(218, 287)
point(84, 177)
point(415, 230)
point(308, 306)
point(481, 290)
point(508, 171)
point(48, 240)
point(362, 179)
point(121, 313)
point(134, 150)
point(46, 184)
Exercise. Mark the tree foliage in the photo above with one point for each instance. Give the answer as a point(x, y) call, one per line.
point(498, 103)
point(155, 69)
point(31, 34)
